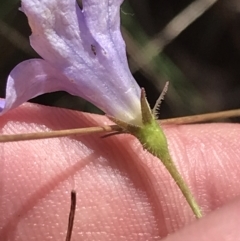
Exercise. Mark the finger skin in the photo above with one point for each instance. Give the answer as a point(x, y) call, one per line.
point(221, 225)
point(123, 193)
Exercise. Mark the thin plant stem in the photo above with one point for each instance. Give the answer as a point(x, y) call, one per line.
point(114, 128)
point(202, 117)
point(169, 164)
point(60, 133)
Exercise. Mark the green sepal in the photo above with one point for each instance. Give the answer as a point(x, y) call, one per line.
point(153, 139)
point(125, 126)
point(150, 134)
point(147, 115)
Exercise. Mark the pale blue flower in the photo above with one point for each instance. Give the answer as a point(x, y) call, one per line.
point(83, 53)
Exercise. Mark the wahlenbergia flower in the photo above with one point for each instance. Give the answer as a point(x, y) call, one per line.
point(83, 53)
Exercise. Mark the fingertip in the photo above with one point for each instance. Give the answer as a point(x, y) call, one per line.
point(220, 225)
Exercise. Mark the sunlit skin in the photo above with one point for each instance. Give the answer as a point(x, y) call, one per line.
point(123, 193)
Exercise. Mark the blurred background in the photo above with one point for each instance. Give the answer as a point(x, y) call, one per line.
point(195, 45)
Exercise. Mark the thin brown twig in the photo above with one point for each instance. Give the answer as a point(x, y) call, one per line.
point(71, 215)
point(114, 128)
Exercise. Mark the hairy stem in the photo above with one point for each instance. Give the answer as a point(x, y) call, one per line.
point(154, 141)
point(171, 167)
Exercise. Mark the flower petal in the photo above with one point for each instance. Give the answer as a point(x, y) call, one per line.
point(29, 79)
point(94, 61)
point(108, 29)
point(77, 57)
point(56, 34)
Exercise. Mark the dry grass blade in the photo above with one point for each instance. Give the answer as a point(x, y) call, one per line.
point(114, 128)
point(141, 58)
point(16, 38)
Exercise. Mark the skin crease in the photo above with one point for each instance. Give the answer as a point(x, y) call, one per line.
point(123, 193)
